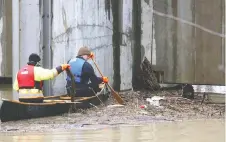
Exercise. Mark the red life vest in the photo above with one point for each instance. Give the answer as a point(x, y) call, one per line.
point(26, 79)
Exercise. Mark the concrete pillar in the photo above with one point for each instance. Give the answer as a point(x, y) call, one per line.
point(209, 44)
point(5, 38)
point(47, 55)
point(29, 29)
point(136, 42)
point(185, 44)
point(125, 48)
point(15, 41)
point(224, 40)
point(147, 30)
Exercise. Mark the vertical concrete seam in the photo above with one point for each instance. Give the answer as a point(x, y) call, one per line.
point(116, 44)
point(136, 25)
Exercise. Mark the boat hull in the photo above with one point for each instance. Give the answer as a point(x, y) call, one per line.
point(11, 111)
point(51, 106)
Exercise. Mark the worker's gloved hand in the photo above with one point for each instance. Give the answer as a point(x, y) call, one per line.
point(65, 66)
point(91, 56)
point(105, 79)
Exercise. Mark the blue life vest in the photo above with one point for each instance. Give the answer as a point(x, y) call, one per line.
point(76, 68)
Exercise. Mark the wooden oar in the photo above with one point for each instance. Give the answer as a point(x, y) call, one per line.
point(72, 84)
point(113, 92)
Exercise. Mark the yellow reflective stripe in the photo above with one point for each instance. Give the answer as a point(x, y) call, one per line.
point(30, 96)
point(30, 91)
point(15, 84)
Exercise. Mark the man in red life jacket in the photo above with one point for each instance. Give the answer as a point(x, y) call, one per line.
point(28, 82)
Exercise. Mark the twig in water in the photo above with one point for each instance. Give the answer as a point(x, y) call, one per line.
point(93, 105)
point(137, 102)
point(204, 96)
point(97, 96)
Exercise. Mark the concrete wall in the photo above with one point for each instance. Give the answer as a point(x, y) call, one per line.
point(210, 53)
point(5, 38)
point(77, 24)
point(147, 38)
point(161, 36)
point(189, 46)
point(185, 54)
point(183, 50)
point(30, 29)
point(126, 50)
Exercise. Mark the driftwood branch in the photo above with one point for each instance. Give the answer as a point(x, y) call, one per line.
point(146, 77)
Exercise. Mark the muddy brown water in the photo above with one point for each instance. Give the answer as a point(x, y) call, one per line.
point(197, 130)
point(185, 131)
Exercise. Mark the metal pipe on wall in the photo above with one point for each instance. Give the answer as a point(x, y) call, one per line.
point(15, 41)
point(46, 30)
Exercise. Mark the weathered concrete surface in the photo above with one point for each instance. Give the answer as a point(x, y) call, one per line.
point(209, 48)
point(165, 34)
point(74, 27)
point(185, 71)
point(160, 32)
point(147, 31)
point(30, 29)
point(1, 36)
point(81, 23)
point(5, 38)
point(29, 33)
point(170, 56)
point(166, 42)
point(185, 50)
point(126, 50)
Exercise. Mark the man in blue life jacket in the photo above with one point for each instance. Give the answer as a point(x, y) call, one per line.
point(86, 81)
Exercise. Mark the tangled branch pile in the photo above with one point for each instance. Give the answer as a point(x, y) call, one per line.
point(147, 78)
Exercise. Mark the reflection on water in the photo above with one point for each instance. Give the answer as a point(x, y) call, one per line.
point(5, 91)
point(186, 131)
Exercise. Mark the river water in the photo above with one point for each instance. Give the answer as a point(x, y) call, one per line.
point(5, 91)
point(185, 131)
point(211, 130)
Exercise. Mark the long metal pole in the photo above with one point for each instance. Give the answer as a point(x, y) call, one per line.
point(15, 42)
point(47, 55)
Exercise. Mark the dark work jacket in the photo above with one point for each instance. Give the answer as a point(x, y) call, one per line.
point(87, 75)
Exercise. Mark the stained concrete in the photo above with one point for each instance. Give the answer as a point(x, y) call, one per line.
point(30, 29)
point(189, 46)
point(5, 38)
point(77, 24)
point(126, 50)
point(147, 28)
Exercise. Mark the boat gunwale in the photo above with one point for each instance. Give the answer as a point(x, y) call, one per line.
point(54, 103)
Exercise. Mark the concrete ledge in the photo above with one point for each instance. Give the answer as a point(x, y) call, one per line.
point(216, 98)
point(5, 80)
point(158, 68)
